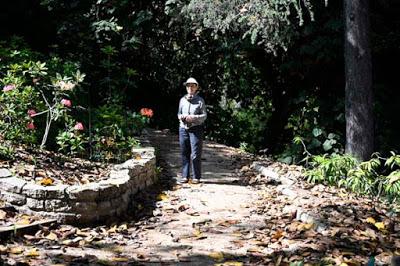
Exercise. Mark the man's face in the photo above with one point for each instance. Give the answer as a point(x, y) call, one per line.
point(191, 88)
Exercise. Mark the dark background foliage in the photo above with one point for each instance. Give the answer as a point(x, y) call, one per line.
point(138, 53)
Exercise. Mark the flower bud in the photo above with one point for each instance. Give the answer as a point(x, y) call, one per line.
point(31, 112)
point(79, 126)
point(66, 102)
point(30, 125)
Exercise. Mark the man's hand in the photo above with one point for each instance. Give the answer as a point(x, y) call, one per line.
point(189, 118)
point(182, 118)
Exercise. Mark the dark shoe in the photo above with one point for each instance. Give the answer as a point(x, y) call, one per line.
point(196, 181)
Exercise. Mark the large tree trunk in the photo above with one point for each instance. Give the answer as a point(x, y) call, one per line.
point(359, 98)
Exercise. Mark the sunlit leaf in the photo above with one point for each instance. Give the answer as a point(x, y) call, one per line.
point(3, 215)
point(370, 220)
point(119, 259)
point(15, 250)
point(25, 220)
point(229, 263)
point(46, 181)
point(51, 236)
point(3, 249)
point(278, 234)
point(122, 227)
point(162, 196)
point(33, 253)
point(218, 256)
point(197, 233)
point(112, 230)
point(380, 225)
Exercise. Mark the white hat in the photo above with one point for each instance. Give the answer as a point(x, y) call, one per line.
point(191, 80)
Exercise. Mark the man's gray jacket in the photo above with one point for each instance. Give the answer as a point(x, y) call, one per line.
point(193, 106)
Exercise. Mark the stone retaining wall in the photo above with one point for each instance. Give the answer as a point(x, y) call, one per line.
point(87, 203)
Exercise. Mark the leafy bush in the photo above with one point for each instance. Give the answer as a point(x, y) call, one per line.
point(6, 151)
point(114, 129)
point(312, 134)
point(376, 177)
point(35, 93)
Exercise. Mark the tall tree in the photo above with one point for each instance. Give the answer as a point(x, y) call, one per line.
point(358, 75)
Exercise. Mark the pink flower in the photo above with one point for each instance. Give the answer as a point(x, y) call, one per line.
point(30, 125)
point(9, 87)
point(78, 126)
point(31, 112)
point(66, 102)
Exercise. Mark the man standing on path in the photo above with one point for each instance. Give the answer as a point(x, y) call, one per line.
point(191, 114)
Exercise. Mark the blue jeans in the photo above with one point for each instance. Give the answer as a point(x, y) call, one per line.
point(191, 142)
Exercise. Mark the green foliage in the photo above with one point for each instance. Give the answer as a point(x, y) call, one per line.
point(72, 141)
point(114, 129)
point(330, 169)
point(267, 23)
point(6, 151)
point(369, 177)
point(32, 94)
point(312, 134)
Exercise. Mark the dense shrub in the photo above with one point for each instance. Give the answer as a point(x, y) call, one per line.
point(39, 106)
point(376, 177)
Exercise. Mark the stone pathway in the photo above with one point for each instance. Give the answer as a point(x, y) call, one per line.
point(199, 224)
point(279, 220)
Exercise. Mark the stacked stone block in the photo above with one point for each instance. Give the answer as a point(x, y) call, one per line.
point(88, 203)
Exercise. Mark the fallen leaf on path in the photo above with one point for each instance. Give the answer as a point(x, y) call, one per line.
point(162, 196)
point(24, 220)
point(370, 220)
point(15, 250)
point(3, 249)
point(229, 263)
point(122, 227)
point(279, 260)
point(142, 257)
point(119, 259)
point(29, 237)
point(197, 233)
point(112, 230)
point(218, 256)
point(278, 234)
point(183, 208)
point(81, 233)
point(33, 253)
point(193, 213)
point(46, 181)
point(3, 215)
point(228, 223)
point(380, 225)
point(51, 236)
point(254, 250)
point(304, 226)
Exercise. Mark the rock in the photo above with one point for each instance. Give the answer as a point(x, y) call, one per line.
point(35, 204)
point(12, 184)
point(42, 192)
point(55, 205)
point(4, 173)
point(84, 207)
point(87, 192)
point(13, 198)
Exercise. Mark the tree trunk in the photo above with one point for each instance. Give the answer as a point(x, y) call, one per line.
point(358, 71)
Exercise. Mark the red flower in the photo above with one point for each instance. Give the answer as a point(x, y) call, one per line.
point(146, 112)
point(31, 112)
point(30, 125)
point(8, 87)
point(78, 126)
point(66, 102)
